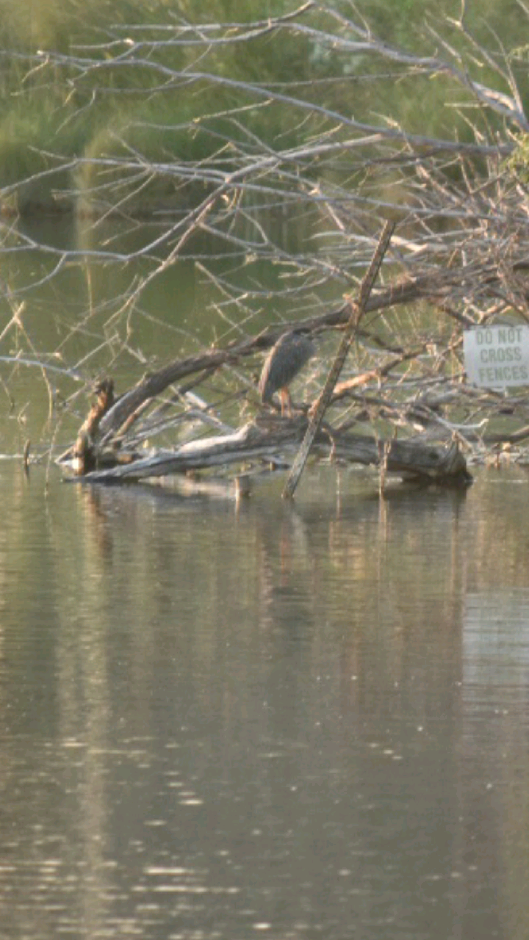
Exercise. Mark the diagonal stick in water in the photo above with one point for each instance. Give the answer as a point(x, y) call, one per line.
point(357, 312)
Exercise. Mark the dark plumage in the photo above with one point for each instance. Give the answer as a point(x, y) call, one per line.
point(286, 358)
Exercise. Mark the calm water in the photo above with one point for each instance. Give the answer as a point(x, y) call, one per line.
point(290, 721)
point(219, 722)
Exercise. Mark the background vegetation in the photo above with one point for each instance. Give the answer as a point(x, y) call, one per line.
point(72, 91)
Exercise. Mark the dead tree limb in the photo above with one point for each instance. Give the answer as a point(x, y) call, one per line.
point(425, 463)
point(439, 287)
point(357, 311)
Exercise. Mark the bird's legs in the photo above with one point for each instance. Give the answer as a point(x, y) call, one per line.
point(286, 401)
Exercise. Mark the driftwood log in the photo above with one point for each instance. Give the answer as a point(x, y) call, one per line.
point(278, 442)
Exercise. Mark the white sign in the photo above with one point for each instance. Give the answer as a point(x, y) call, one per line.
point(497, 356)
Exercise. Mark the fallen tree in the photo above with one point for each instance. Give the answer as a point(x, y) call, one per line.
point(271, 443)
point(250, 442)
point(275, 444)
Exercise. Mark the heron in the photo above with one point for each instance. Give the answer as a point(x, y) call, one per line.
point(286, 358)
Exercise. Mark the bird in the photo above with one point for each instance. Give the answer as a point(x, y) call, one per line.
point(286, 358)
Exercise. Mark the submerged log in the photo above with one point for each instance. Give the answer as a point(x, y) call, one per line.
point(411, 460)
point(424, 463)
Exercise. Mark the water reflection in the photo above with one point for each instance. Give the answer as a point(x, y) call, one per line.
point(276, 719)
